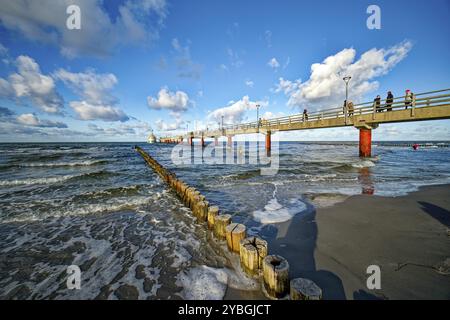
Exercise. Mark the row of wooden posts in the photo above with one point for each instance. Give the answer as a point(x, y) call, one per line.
point(253, 252)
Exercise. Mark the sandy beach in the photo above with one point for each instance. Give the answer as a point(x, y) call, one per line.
point(408, 237)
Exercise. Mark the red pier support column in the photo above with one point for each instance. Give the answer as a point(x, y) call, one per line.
point(268, 142)
point(365, 142)
point(230, 141)
point(216, 141)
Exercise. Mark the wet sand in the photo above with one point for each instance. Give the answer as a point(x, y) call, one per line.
point(408, 237)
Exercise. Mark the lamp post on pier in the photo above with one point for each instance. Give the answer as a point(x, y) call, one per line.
point(347, 80)
point(257, 116)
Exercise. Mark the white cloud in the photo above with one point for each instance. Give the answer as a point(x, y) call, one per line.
point(273, 63)
point(30, 83)
point(134, 128)
point(97, 101)
point(5, 88)
point(249, 83)
point(29, 119)
point(174, 101)
point(178, 124)
point(187, 68)
point(325, 86)
point(91, 87)
point(234, 57)
point(235, 111)
point(287, 86)
point(45, 21)
point(87, 111)
point(270, 115)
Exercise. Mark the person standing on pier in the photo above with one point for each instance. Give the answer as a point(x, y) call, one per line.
point(350, 108)
point(389, 101)
point(305, 115)
point(377, 103)
point(408, 98)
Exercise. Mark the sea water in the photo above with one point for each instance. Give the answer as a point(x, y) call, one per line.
point(98, 206)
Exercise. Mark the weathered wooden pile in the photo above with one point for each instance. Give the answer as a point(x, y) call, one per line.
point(253, 251)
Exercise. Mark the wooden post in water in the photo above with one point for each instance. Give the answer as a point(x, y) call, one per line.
point(212, 214)
point(276, 276)
point(221, 222)
point(201, 210)
point(252, 252)
point(305, 289)
point(204, 212)
point(194, 205)
point(235, 232)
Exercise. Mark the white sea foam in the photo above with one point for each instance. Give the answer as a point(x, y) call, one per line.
point(274, 212)
point(203, 283)
point(35, 181)
point(64, 164)
point(363, 164)
point(77, 209)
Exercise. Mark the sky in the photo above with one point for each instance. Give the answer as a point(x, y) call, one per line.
point(169, 66)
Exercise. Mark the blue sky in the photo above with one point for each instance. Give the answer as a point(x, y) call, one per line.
point(168, 65)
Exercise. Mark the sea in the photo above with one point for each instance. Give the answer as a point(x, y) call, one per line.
point(99, 207)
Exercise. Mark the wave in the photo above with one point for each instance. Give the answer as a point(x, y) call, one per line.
point(363, 164)
point(114, 192)
point(103, 174)
point(65, 164)
point(52, 180)
point(82, 209)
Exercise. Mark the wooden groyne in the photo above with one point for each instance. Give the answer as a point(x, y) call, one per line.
point(255, 260)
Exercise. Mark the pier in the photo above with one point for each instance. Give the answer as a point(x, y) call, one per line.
point(433, 105)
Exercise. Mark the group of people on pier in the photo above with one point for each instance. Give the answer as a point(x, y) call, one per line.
point(410, 100)
point(348, 108)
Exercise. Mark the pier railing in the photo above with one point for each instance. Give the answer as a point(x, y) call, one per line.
point(420, 100)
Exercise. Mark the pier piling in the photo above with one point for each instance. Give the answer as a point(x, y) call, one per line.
point(268, 142)
point(276, 276)
point(365, 142)
point(213, 211)
point(235, 232)
point(253, 250)
point(221, 223)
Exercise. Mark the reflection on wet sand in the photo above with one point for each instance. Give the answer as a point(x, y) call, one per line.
point(365, 179)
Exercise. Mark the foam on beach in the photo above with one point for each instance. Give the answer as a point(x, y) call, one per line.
point(203, 283)
point(274, 212)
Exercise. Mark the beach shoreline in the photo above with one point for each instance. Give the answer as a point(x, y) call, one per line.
point(408, 237)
